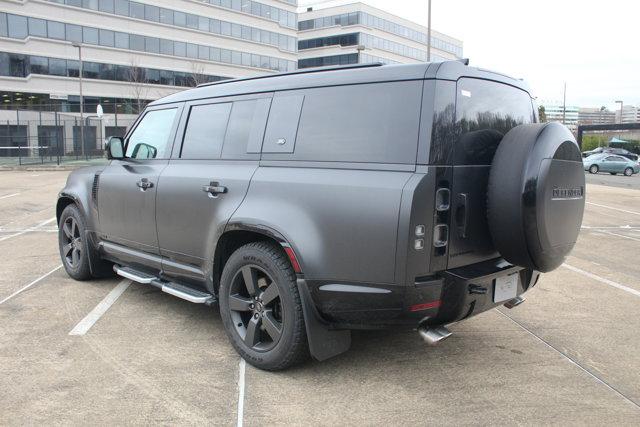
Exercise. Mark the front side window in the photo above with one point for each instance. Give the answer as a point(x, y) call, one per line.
point(150, 139)
point(205, 131)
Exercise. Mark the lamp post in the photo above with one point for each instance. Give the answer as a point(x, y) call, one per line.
point(621, 110)
point(79, 46)
point(429, 32)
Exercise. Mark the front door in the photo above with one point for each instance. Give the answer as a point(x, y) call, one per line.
point(127, 188)
point(206, 180)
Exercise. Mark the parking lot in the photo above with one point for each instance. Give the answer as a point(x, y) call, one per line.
point(569, 355)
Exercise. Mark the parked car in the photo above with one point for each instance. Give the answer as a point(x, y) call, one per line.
point(618, 151)
point(311, 203)
point(610, 163)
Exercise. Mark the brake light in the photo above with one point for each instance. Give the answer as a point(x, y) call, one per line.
point(425, 305)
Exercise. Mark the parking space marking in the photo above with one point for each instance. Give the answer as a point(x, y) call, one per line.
point(612, 208)
point(6, 196)
point(42, 224)
point(30, 284)
point(241, 371)
point(602, 280)
point(621, 235)
point(90, 319)
point(572, 361)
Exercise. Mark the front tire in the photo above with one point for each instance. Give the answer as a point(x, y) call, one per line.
point(72, 243)
point(628, 172)
point(593, 169)
point(261, 308)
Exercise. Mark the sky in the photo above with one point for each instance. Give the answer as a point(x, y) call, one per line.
point(593, 46)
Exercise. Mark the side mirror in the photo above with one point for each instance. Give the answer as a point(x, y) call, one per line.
point(115, 148)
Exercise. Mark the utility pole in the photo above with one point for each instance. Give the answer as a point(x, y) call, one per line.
point(564, 104)
point(621, 109)
point(429, 32)
point(79, 46)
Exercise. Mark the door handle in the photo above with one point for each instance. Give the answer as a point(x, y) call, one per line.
point(462, 214)
point(214, 188)
point(144, 183)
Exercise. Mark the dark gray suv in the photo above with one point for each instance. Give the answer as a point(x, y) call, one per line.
point(312, 203)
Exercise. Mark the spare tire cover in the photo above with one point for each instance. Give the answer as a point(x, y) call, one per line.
point(535, 195)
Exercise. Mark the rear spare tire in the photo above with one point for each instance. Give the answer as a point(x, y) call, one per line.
point(535, 195)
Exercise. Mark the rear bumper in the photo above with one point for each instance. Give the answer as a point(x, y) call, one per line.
point(439, 299)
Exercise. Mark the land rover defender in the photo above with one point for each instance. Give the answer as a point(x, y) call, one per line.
point(311, 203)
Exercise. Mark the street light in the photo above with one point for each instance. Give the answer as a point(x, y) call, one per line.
point(621, 105)
point(429, 32)
point(79, 46)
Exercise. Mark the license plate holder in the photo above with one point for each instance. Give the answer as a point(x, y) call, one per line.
point(506, 287)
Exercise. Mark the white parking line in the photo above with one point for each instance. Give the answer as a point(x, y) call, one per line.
point(615, 209)
point(241, 370)
point(602, 280)
point(90, 319)
point(621, 235)
point(30, 285)
point(42, 224)
point(6, 196)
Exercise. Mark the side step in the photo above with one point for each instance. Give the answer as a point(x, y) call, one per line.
point(176, 289)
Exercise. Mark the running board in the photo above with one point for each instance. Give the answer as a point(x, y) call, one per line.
point(512, 303)
point(176, 289)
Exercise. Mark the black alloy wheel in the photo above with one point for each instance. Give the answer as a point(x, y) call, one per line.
point(256, 308)
point(72, 245)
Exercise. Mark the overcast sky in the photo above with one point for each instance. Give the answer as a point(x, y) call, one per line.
point(592, 45)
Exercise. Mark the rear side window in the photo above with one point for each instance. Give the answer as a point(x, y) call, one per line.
point(373, 123)
point(485, 112)
point(246, 129)
point(206, 127)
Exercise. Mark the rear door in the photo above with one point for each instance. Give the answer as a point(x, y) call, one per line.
point(485, 112)
point(127, 188)
point(215, 155)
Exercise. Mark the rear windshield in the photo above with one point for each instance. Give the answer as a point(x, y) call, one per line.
point(485, 112)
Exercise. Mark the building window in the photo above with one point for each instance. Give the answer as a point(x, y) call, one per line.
point(37, 27)
point(107, 38)
point(38, 65)
point(18, 27)
point(106, 6)
point(74, 32)
point(90, 35)
point(55, 30)
point(57, 67)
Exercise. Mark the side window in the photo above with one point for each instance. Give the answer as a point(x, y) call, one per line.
point(611, 159)
point(282, 128)
point(485, 112)
point(246, 127)
point(151, 137)
point(205, 131)
point(376, 123)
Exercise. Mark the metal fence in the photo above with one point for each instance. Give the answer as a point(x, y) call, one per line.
point(55, 138)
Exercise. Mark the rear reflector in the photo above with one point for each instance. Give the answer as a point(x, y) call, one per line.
point(425, 306)
point(292, 257)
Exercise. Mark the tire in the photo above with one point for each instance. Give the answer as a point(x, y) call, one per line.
point(72, 243)
point(535, 195)
point(266, 329)
point(628, 172)
point(594, 169)
point(613, 173)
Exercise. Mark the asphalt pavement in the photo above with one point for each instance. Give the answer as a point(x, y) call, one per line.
point(112, 352)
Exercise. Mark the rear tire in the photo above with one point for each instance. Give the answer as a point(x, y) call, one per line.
point(72, 243)
point(628, 172)
point(593, 169)
point(261, 308)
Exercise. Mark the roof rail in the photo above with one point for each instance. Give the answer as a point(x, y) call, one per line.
point(300, 71)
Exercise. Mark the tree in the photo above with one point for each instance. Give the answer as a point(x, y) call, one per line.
point(542, 114)
point(138, 82)
point(197, 74)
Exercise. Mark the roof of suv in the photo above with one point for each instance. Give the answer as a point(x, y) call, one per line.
point(335, 76)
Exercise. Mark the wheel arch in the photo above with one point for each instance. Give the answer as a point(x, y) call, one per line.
point(238, 234)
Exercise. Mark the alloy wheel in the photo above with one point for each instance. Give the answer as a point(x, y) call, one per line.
point(71, 242)
point(256, 308)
